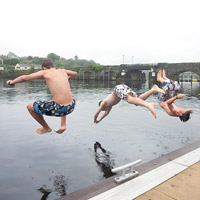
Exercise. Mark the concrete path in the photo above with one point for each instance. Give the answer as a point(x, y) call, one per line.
point(184, 186)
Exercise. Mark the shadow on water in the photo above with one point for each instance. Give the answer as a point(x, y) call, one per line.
point(103, 160)
point(59, 184)
point(45, 193)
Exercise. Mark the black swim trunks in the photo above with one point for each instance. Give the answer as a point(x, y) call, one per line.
point(52, 108)
point(171, 89)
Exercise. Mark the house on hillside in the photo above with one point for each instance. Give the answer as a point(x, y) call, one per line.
point(26, 66)
point(37, 67)
point(22, 67)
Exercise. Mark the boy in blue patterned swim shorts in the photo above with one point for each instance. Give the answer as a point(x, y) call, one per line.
point(166, 101)
point(126, 93)
point(63, 102)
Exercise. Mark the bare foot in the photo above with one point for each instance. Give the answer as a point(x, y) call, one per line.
point(60, 130)
point(43, 130)
point(151, 107)
point(180, 96)
point(156, 89)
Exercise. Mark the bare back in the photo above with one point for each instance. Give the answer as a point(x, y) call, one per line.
point(111, 100)
point(58, 83)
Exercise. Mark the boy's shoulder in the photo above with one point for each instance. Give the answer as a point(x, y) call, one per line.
point(60, 69)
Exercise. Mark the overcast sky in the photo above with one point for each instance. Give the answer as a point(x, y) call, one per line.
point(106, 31)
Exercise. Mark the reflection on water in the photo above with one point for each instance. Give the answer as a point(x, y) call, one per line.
point(190, 88)
point(104, 160)
point(31, 89)
point(34, 89)
point(62, 164)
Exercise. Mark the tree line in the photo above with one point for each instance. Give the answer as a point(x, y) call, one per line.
point(73, 63)
point(58, 60)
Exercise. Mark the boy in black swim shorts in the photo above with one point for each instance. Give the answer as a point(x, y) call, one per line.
point(63, 102)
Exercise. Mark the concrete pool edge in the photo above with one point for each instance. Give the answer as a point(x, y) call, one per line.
point(109, 183)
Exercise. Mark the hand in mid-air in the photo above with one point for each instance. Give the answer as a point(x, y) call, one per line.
point(9, 82)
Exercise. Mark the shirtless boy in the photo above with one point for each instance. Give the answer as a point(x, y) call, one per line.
point(58, 84)
point(126, 93)
point(166, 101)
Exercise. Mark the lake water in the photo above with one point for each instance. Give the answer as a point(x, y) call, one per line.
point(45, 166)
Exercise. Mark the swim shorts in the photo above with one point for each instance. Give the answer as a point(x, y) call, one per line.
point(171, 89)
point(52, 108)
point(122, 91)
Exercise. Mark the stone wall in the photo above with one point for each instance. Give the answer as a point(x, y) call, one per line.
point(173, 70)
point(133, 72)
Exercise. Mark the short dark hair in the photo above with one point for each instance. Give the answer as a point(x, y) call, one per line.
point(48, 63)
point(185, 117)
point(100, 102)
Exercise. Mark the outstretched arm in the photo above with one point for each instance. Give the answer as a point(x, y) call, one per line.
point(103, 116)
point(24, 78)
point(71, 74)
point(179, 96)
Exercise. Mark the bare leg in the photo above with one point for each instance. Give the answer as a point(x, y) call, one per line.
point(154, 89)
point(40, 119)
point(159, 77)
point(139, 102)
point(164, 75)
point(62, 126)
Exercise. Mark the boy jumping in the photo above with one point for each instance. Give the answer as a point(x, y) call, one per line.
point(126, 93)
point(166, 101)
point(58, 84)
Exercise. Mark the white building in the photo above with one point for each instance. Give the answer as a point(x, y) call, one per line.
point(26, 67)
point(22, 67)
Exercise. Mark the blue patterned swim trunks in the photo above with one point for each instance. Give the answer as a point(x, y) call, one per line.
point(171, 89)
point(52, 108)
point(122, 91)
